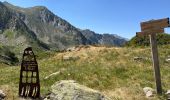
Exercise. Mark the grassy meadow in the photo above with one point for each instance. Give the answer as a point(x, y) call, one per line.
point(112, 71)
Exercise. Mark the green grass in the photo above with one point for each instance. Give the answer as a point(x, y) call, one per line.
point(9, 34)
point(109, 70)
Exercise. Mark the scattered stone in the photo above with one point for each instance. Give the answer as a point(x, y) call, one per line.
point(71, 49)
point(149, 92)
point(70, 90)
point(138, 58)
point(56, 73)
point(168, 94)
point(168, 60)
point(67, 58)
point(2, 95)
point(146, 89)
point(20, 98)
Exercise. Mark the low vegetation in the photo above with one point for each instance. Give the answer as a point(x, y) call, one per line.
point(112, 71)
point(143, 41)
point(7, 57)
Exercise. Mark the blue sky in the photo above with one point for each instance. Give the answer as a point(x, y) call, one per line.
point(121, 17)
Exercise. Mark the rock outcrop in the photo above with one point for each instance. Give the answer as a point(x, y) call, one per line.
point(70, 90)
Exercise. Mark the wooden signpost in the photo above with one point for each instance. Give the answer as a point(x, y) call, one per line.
point(151, 28)
point(29, 85)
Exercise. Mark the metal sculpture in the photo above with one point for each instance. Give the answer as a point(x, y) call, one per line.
point(29, 85)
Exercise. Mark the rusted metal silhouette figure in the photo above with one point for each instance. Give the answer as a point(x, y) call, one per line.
point(29, 85)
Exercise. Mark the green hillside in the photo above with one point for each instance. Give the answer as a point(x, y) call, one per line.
point(162, 39)
point(113, 71)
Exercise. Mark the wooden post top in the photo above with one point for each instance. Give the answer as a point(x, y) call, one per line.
point(153, 26)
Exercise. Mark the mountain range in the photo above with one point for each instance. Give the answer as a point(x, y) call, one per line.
point(41, 29)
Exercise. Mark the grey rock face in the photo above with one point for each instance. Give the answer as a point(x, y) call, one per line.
point(103, 39)
point(70, 90)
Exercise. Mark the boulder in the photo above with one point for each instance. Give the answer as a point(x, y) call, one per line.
point(2, 95)
point(149, 92)
point(70, 90)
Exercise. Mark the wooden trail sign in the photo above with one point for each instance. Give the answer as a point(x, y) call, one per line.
point(154, 24)
point(29, 85)
point(151, 28)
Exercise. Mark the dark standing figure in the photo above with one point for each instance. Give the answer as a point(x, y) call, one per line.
point(29, 85)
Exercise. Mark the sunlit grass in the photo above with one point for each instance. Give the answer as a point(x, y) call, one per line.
point(112, 71)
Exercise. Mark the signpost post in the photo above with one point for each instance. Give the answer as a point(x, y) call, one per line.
point(151, 28)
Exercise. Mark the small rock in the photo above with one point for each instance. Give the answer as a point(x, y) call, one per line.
point(148, 91)
point(71, 49)
point(168, 60)
point(149, 94)
point(138, 58)
point(67, 58)
point(168, 94)
point(2, 95)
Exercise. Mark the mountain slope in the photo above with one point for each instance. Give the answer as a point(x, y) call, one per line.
point(41, 29)
point(58, 33)
point(103, 39)
point(14, 32)
point(49, 28)
point(15, 35)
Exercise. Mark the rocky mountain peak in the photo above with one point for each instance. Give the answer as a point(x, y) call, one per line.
point(6, 3)
point(40, 28)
